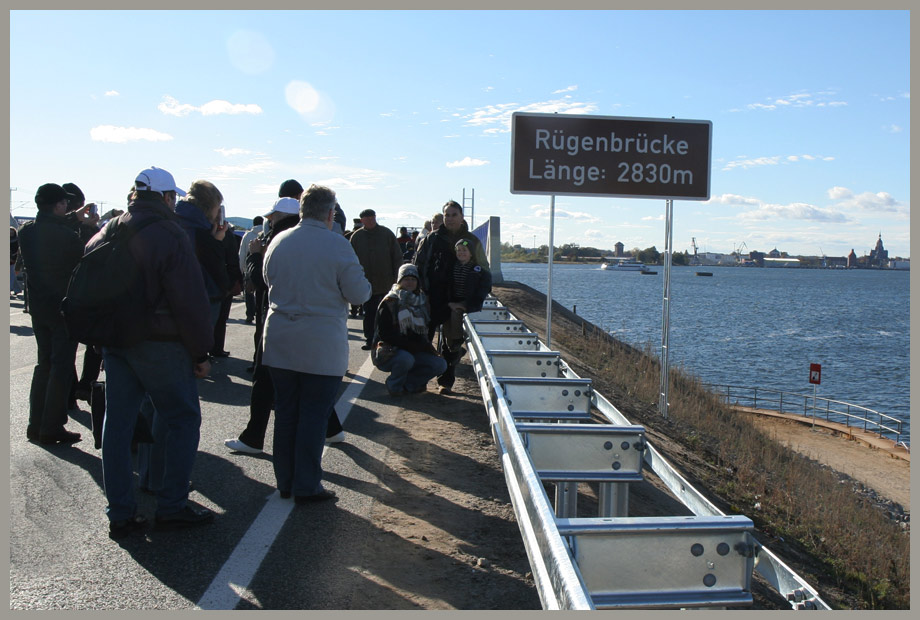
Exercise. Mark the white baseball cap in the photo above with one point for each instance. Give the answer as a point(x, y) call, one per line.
point(285, 205)
point(157, 180)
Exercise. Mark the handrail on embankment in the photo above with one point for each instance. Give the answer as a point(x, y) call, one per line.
point(795, 403)
point(551, 427)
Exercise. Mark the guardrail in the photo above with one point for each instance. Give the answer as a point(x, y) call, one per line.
point(551, 428)
point(831, 410)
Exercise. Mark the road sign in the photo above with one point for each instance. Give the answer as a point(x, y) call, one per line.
point(567, 154)
point(814, 374)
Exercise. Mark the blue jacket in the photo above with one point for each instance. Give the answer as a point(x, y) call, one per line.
point(209, 251)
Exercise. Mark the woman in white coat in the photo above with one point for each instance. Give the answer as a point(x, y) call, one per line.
point(312, 275)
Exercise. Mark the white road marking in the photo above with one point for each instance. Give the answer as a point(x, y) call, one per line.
point(231, 584)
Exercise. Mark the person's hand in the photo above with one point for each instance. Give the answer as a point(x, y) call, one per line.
point(202, 369)
point(218, 231)
point(255, 246)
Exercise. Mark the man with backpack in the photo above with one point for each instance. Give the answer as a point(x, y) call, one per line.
point(177, 336)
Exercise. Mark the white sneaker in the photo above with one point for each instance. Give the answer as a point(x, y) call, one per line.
point(239, 446)
point(337, 438)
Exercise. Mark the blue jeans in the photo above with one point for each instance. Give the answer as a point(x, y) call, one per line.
point(164, 371)
point(303, 403)
point(412, 371)
point(14, 283)
point(151, 457)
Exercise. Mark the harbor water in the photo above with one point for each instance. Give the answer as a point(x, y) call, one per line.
point(757, 327)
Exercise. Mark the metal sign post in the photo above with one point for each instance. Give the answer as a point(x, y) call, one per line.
point(666, 308)
point(814, 377)
point(549, 283)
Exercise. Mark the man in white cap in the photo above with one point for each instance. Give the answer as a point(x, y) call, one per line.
point(165, 365)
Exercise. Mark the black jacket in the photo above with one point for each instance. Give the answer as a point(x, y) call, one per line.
point(51, 248)
point(478, 287)
point(173, 278)
point(435, 260)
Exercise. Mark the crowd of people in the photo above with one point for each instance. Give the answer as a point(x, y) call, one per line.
point(301, 274)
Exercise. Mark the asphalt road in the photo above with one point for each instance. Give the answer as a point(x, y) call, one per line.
point(260, 552)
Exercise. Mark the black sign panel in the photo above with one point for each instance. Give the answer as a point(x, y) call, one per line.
point(565, 154)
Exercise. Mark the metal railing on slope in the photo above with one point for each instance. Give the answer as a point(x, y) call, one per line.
point(552, 542)
point(808, 405)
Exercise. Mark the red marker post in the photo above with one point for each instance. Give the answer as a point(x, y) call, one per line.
point(814, 377)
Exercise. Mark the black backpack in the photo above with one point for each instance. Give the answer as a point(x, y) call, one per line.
point(106, 302)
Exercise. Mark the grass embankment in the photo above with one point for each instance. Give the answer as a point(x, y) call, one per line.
point(783, 492)
point(792, 499)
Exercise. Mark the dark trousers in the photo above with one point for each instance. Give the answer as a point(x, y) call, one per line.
point(220, 328)
point(304, 405)
point(92, 364)
point(53, 375)
point(370, 316)
point(250, 306)
point(261, 402)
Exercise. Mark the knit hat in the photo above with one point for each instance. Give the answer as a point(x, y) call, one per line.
point(290, 189)
point(70, 188)
point(51, 193)
point(407, 270)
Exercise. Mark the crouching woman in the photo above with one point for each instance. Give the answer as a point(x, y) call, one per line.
point(401, 343)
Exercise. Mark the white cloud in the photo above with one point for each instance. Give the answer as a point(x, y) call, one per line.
point(794, 211)
point(595, 234)
point(111, 133)
point(112, 93)
point(880, 202)
point(758, 210)
point(734, 200)
point(232, 152)
point(653, 218)
point(256, 167)
point(497, 118)
point(563, 214)
point(747, 162)
point(172, 107)
point(892, 128)
point(567, 89)
point(467, 162)
point(798, 100)
point(340, 177)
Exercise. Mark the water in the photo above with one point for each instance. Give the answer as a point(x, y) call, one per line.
point(757, 327)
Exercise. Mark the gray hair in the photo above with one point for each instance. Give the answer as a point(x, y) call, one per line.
point(316, 203)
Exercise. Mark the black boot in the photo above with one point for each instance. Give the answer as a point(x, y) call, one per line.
point(446, 380)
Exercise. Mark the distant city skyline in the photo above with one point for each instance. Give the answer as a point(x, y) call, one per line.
point(400, 111)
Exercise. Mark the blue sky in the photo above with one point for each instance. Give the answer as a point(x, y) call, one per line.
point(400, 111)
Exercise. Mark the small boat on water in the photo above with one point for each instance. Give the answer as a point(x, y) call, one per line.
point(704, 273)
point(629, 264)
